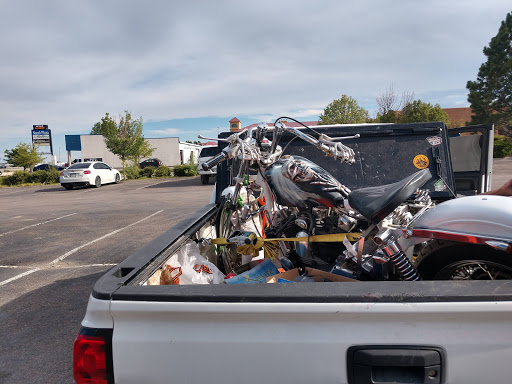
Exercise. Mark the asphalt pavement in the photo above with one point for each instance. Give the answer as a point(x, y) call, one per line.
point(55, 244)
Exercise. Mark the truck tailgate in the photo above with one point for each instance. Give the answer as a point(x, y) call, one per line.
point(258, 342)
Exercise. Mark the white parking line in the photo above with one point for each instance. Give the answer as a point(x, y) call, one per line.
point(35, 225)
point(18, 276)
point(60, 258)
point(75, 250)
point(150, 185)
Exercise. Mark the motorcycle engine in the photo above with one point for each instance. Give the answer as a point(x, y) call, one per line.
point(304, 223)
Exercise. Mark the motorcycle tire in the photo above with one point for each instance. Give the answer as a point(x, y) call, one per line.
point(447, 260)
point(227, 259)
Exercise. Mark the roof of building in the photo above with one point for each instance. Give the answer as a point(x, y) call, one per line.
point(234, 120)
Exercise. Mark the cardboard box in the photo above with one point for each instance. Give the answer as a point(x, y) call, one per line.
point(316, 274)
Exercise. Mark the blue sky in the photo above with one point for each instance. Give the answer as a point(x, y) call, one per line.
point(187, 68)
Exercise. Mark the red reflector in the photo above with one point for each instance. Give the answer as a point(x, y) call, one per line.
point(89, 360)
point(448, 236)
point(62, 173)
point(87, 172)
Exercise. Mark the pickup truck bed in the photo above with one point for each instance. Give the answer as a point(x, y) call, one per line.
point(289, 332)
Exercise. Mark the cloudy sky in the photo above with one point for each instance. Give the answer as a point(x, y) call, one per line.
point(187, 67)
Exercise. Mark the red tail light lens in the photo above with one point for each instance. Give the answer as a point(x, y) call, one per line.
point(62, 173)
point(89, 360)
point(87, 172)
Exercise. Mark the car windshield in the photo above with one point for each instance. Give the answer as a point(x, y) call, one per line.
point(210, 151)
point(79, 166)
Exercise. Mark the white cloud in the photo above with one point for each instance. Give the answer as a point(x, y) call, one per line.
point(162, 132)
point(67, 64)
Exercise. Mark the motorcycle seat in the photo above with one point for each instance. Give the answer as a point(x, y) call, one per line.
point(375, 203)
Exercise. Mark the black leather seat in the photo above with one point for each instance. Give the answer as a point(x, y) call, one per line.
point(375, 203)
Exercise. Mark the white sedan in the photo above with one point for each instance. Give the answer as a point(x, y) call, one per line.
point(88, 173)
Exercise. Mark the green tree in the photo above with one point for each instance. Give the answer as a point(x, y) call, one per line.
point(390, 106)
point(23, 155)
point(344, 111)
point(124, 139)
point(417, 111)
point(490, 95)
point(145, 150)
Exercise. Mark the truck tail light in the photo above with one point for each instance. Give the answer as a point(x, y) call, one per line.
point(87, 172)
point(92, 357)
point(62, 173)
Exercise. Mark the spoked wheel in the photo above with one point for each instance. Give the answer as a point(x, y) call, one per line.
point(97, 182)
point(475, 270)
point(443, 260)
point(228, 258)
point(118, 178)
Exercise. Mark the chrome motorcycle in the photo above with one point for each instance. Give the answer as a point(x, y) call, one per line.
point(389, 232)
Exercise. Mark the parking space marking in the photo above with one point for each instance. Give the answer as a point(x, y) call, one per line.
point(60, 258)
point(150, 185)
point(35, 225)
point(18, 276)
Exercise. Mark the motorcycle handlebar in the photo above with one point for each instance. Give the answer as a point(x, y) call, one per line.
point(214, 161)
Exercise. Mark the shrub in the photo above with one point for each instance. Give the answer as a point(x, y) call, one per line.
point(37, 177)
point(44, 177)
point(18, 177)
point(502, 147)
point(132, 172)
point(185, 170)
point(148, 171)
point(162, 171)
point(52, 176)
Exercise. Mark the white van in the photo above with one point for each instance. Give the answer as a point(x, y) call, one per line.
point(207, 152)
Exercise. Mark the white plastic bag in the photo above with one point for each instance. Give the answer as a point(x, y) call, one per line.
point(187, 266)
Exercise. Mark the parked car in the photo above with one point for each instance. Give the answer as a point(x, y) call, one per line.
point(89, 173)
point(207, 152)
point(47, 167)
point(151, 163)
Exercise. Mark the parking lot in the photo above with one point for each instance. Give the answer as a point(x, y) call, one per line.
point(54, 245)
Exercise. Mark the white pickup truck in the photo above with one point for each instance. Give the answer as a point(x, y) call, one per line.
point(341, 332)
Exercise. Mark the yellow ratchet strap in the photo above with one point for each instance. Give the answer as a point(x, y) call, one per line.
point(270, 245)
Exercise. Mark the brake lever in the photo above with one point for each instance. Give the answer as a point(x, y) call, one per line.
point(211, 138)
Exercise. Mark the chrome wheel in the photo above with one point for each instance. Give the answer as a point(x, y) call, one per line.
point(97, 182)
point(228, 258)
point(445, 260)
point(475, 270)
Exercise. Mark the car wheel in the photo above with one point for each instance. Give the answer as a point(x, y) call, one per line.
point(118, 178)
point(204, 179)
point(97, 182)
point(68, 186)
